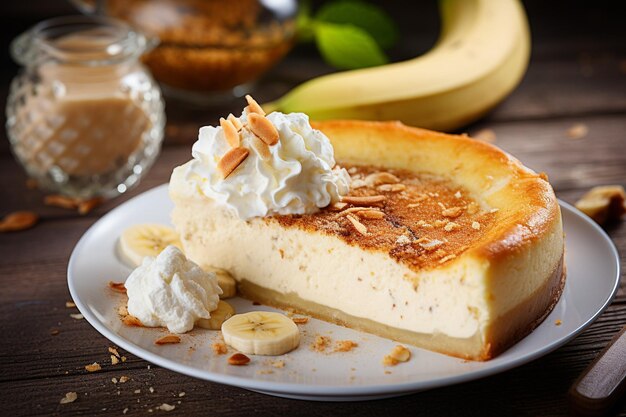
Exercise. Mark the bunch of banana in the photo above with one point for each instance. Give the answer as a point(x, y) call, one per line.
point(481, 55)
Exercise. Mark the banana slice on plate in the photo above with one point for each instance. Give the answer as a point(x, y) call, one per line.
point(261, 333)
point(143, 240)
point(223, 312)
point(226, 282)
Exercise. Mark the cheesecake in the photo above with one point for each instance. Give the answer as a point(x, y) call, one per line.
point(435, 240)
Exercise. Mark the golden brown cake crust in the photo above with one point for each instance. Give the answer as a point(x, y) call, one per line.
point(422, 221)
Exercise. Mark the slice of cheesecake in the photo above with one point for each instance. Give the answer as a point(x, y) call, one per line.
point(443, 242)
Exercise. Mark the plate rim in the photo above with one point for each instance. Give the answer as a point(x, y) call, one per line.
point(328, 391)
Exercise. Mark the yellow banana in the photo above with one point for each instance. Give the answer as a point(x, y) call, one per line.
point(481, 55)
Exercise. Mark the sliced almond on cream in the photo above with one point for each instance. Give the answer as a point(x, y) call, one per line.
point(230, 132)
point(235, 121)
point(263, 128)
point(253, 106)
point(231, 160)
point(261, 147)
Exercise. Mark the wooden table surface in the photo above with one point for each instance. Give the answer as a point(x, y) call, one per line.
point(577, 75)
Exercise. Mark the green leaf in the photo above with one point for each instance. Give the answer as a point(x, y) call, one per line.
point(368, 17)
point(347, 46)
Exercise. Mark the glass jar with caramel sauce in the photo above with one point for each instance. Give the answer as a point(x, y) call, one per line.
point(84, 116)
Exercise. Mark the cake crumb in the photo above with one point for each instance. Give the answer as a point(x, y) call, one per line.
point(77, 316)
point(577, 131)
point(321, 343)
point(114, 351)
point(114, 380)
point(93, 367)
point(123, 379)
point(450, 226)
point(70, 304)
point(166, 407)
point(70, 397)
point(181, 394)
point(397, 355)
point(345, 345)
point(558, 322)
point(219, 348)
point(264, 371)
point(114, 360)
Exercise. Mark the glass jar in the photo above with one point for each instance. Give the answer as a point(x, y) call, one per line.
point(84, 116)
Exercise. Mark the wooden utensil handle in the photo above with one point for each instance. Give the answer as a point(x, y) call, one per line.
point(603, 383)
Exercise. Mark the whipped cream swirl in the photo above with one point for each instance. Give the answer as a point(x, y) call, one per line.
point(171, 291)
point(299, 175)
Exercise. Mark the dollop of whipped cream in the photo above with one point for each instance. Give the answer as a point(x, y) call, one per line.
point(171, 291)
point(297, 177)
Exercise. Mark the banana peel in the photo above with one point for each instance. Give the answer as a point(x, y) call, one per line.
point(480, 57)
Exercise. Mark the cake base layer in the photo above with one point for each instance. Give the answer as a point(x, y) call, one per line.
point(509, 328)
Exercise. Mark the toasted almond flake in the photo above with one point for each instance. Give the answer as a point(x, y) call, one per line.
point(54, 332)
point(370, 214)
point(263, 128)
point(450, 226)
point(447, 258)
point(339, 205)
point(355, 210)
point(219, 348)
point(231, 160)
point(494, 210)
point(475, 225)
point(261, 148)
point(167, 339)
point(300, 320)
point(114, 360)
point(357, 183)
point(378, 178)
point(124, 379)
point(132, 321)
point(166, 407)
point(86, 206)
point(57, 200)
point(69, 304)
point(452, 212)
point(114, 380)
point(181, 394)
point(18, 221)
point(577, 131)
point(485, 135)
point(114, 351)
point(93, 367)
point(235, 121)
point(77, 316)
point(238, 359)
point(394, 188)
point(124, 411)
point(360, 227)
point(424, 225)
point(345, 345)
point(70, 397)
point(117, 287)
point(230, 132)
point(403, 240)
point(365, 200)
point(430, 245)
point(439, 223)
point(253, 106)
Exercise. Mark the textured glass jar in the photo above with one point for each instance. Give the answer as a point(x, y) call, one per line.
point(84, 117)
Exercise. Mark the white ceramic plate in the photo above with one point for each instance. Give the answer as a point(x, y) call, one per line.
point(592, 281)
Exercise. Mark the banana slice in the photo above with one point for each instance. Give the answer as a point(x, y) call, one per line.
point(226, 282)
point(143, 240)
point(223, 312)
point(261, 333)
